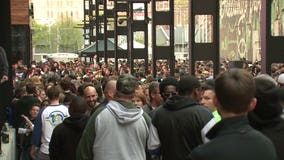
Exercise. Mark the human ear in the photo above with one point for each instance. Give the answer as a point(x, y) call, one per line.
point(252, 104)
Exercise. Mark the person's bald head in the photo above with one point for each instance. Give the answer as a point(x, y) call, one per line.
point(91, 95)
point(110, 89)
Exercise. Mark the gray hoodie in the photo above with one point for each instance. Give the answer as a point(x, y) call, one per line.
point(117, 131)
point(122, 114)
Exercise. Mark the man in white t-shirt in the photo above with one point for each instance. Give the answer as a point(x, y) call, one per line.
point(48, 118)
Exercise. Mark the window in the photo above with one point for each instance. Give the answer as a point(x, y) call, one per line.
point(203, 29)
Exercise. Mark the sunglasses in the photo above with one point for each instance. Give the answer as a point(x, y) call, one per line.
point(168, 94)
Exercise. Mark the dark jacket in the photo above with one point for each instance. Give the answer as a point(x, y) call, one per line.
point(235, 139)
point(23, 106)
point(147, 108)
point(275, 133)
point(65, 138)
point(25, 139)
point(273, 128)
point(179, 123)
point(266, 117)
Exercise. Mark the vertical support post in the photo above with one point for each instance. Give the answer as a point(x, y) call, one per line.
point(130, 37)
point(105, 31)
point(190, 32)
point(154, 37)
point(203, 51)
point(172, 39)
point(163, 52)
point(263, 32)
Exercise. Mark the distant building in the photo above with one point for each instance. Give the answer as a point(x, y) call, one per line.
point(181, 40)
point(49, 11)
point(20, 30)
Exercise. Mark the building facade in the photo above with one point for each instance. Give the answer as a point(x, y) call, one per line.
point(50, 11)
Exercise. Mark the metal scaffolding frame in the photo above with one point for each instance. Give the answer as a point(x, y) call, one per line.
point(204, 50)
point(166, 52)
point(105, 18)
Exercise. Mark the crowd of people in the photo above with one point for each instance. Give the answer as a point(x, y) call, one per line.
point(79, 110)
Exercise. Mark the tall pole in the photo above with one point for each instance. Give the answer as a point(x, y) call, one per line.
point(263, 34)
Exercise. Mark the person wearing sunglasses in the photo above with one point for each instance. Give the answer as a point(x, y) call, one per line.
point(168, 88)
point(177, 125)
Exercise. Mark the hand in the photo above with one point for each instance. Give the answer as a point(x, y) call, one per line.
point(27, 120)
point(25, 117)
point(33, 152)
point(4, 79)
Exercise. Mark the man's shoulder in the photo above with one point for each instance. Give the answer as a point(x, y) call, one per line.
point(98, 110)
point(28, 99)
point(147, 118)
point(60, 128)
point(53, 109)
point(224, 147)
point(56, 107)
point(147, 108)
point(192, 108)
point(239, 137)
point(202, 151)
point(215, 147)
point(260, 137)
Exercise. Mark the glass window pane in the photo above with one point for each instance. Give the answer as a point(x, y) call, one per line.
point(163, 35)
point(277, 18)
point(203, 29)
point(139, 39)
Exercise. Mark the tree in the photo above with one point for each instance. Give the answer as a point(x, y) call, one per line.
point(40, 37)
point(59, 37)
point(68, 38)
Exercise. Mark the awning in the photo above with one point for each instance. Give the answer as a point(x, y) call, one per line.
point(91, 50)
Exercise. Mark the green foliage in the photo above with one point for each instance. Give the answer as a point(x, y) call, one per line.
point(40, 37)
point(59, 37)
point(140, 40)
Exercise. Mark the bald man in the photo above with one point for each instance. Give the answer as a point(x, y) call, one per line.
point(110, 90)
point(91, 96)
